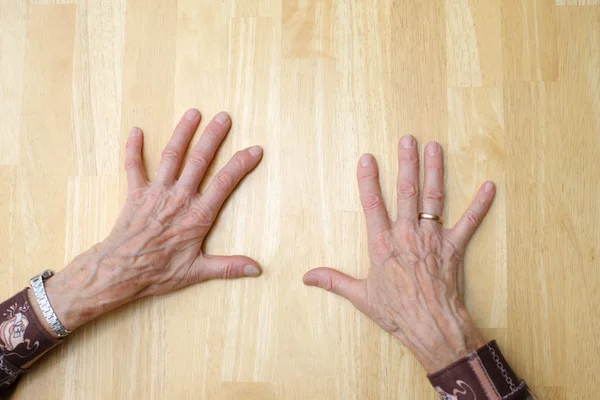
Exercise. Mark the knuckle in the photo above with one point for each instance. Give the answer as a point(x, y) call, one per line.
point(380, 246)
point(132, 163)
point(228, 271)
point(198, 160)
point(387, 324)
point(329, 284)
point(224, 181)
point(371, 173)
point(405, 235)
point(473, 218)
point(136, 196)
point(407, 190)
point(197, 275)
point(212, 135)
point(371, 202)
point(435, 167)
point(178, 201)
point(202, 214)
point(433, 194)
point(449, 250)
point(478, 206)
point(409, 158)
point(171, 154)
point(240, 161)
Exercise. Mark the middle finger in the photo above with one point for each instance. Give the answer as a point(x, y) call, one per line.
point(408, 182)
point(173, 153)
point(433, 184)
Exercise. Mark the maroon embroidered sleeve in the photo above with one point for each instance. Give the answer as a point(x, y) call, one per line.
point(22, 339)
point(483, 374)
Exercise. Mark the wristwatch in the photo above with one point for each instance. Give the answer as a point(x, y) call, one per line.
point(37, 285)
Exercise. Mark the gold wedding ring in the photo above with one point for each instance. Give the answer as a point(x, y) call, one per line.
point(431, 217)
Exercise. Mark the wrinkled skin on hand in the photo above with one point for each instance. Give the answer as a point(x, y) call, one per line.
point(414, 286)
point(155, 246)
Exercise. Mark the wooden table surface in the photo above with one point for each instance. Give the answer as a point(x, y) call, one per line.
point(510, 88)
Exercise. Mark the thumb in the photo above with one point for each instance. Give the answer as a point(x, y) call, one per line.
point(224, 267)
point(339, 283)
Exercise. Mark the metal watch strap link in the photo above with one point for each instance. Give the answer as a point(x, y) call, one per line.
point(37, 285)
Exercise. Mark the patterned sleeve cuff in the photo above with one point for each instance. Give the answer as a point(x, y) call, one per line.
point(482, 374)
point(22, 337)
point(8, 372)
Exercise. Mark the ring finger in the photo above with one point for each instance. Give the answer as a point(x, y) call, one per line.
point(204, 151)
point(433, 184)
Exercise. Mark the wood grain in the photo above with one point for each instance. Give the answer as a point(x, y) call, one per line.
point(578, 2)
point(307, 28)
point(13, 26)
point(529, 40)
point(474, 43)
point(509, 88)
point(98, 88)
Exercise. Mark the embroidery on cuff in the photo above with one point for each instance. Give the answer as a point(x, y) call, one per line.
point(8, 372)
point(455, 392)
point(12, 331)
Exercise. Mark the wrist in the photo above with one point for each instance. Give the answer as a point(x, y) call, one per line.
point(70, 301)
point(452, 346)
point(450, 349)
point(86, 288)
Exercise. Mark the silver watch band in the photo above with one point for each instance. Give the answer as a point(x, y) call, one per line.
point(37, 285)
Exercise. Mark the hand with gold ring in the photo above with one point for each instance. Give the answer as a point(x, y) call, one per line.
point(415, 283)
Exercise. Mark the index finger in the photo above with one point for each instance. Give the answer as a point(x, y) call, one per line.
point(376, 215)
point(464, 229)
point(229, 176)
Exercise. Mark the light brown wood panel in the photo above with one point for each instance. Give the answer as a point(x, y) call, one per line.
point(577, 2)
point(49, 53)
point(307, 28)
point(552, 135)
point(529, 40)
point(202, 57)
point(254, 8)
point(509, 88)
point(8, 195)
point(97, 81)
point(528, 129)
point(13, 25)
point(474, 44)
point(52, 2)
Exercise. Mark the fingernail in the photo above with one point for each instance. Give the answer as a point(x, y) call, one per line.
point(489, 186)
point(366, 160)
point(255, 151)
point(407, 142)
point(251, 270)
point(222, 118)
point(433, 148)
point(311, 280)
point(135, 131)
point(192, 114)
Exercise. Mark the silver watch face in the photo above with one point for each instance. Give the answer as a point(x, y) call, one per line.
point(47, 274)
